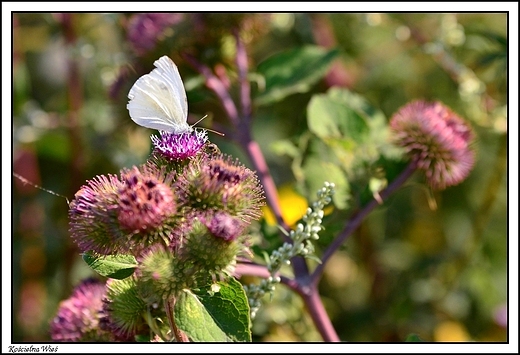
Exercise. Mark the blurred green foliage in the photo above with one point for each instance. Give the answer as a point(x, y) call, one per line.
point(428, 266)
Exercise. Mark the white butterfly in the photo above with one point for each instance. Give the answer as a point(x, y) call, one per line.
point(158, 100)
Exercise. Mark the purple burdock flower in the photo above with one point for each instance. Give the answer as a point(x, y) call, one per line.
point(218, 183)
point(78, 317)
point(223, 225)
point(144, 202)
point(179, 146)
point(144, 30)
point(92, 212)
point(438, 141)
point(111, 215)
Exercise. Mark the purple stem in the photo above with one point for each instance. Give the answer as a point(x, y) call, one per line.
point(243, 137)
point(319, 315)
point(255, 155)
point(309, 294)
point(216, 85)
point(304, 284)
point(356, 220)
point(253, 269)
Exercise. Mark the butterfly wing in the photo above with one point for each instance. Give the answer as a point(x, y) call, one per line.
point(158, 99)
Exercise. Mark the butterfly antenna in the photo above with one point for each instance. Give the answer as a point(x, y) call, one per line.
point(207, 129)
point(216, 132)
point(196, 123)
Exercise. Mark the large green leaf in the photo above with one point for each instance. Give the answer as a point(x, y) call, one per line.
point(330, 118)
point(217, 313)
point(113, 266)
point(293, 71)
point(355, 131)
point(193, 319)
point(358, 103)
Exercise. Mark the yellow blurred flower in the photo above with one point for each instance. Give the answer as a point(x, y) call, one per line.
point(451, 331)
point(292, 204)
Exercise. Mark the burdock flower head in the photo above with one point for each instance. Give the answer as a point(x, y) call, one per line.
point(219, 183)
point(174, 147)
point(78, 317)
point(438, 141)
point(144, 202)
point(219, 197)
point(110, 215)
point(211, 245)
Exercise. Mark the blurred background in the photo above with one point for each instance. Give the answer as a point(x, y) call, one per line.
point(433, 264)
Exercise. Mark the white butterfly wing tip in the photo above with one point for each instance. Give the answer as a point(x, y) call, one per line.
point(164, 62)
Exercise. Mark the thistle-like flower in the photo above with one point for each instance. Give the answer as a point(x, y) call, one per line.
point(179, 146)
point(144, 202)
point(127, 215)
point(210, 246)
point(438, 141)
point(224, 226)
point(93, 215)
point(218, 183)
point(78, 317)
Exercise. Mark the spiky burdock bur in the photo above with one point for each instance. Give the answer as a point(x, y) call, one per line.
point(127, 215)
point(159, 275)
point(438, 141)
point(210, 246)
point(127, 314)
point(93, 216)
point(79, 317)
point(220, 183)
point(147, 207)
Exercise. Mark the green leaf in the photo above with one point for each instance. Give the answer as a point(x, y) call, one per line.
point(216, 313)
point(330, 119)
point(193, 319)
point(373, 116)
point(113, 266)
point(490, 58)
point(229, 308)
point(293, 71)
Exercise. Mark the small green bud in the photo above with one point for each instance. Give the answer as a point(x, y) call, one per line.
point(125, 308)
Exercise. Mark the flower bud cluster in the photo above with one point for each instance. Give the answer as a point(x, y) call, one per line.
point(301, 245)
point(182, 215)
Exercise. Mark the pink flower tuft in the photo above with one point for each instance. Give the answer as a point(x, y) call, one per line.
point(180, 146)
point(78, 317)
point(144, 202)
point(438, 141)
